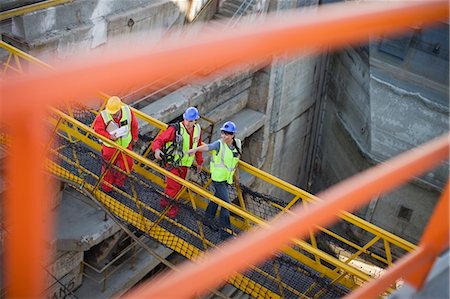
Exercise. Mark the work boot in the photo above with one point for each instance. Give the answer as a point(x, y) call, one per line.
point(106, 188)
point(163, 202)
point(119, 181)
point(173, 211)
point(225, 235)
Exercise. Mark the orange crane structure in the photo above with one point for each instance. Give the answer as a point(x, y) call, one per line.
point(25, 99)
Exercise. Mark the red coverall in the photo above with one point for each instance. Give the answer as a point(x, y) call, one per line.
point(173, 187)
point(113, 176)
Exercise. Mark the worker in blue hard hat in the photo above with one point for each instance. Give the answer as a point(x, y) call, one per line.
point(118, 123)
point(224, 159)
point(172, 146)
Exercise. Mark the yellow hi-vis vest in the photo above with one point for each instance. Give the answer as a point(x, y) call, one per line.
point(223, 163)
point(186, 160)
point(126, 116)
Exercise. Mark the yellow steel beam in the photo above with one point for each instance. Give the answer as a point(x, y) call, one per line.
point(369, 227)
point(316, 252)
point(245, 166)
point(356, 246)
point(232, 208)
point(159, 233)
point(249, 168)
point(30, 8)
point(161, 170)
point(58, 170)
point(26, 56)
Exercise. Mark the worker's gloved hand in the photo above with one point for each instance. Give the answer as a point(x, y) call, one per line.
point(113, 137)
point(158, 153)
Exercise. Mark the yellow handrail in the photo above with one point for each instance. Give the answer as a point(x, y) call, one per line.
point(247, 45)
point(30, 8)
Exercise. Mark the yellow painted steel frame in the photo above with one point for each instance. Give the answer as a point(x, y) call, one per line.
point(16, 56)
point(30, 8)
point(156, 231)
point(75, 130)
point(387, 237)
point(343, 273)
point(79, 131)
point(137, 219)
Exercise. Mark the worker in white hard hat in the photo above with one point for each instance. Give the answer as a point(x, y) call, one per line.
point(118, 123)
point(172, 146)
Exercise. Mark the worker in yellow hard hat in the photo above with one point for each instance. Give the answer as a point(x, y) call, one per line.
point(119, 124)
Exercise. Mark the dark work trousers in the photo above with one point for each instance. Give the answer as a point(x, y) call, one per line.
point(224, 217)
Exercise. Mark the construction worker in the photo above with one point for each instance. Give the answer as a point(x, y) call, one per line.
point(118, 123)
point(171, 146)
point(224, 159)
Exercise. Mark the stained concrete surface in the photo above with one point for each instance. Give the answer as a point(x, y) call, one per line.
point(80, 224)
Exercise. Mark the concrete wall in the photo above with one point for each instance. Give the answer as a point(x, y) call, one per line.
point(80, 26)
point(67, 270)
point(350, 86)
point(367, 121)
point(347, 118)
point(289, 119)
point(291, 96)
point(402, 120)
point(282, 96)
point(217, 98)
point(404, 211)
point(286, 91)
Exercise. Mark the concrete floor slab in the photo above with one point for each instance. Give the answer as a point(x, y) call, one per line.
point(80, 224)
point(129, 273)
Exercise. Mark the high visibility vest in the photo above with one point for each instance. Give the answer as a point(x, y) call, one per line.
point(183, 158)
point(223, 163)
point(126, 116)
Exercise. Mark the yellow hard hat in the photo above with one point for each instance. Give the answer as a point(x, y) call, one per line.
point(113, 105)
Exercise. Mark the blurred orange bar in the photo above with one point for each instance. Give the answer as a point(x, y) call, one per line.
point(415, 266)
point(435, 239)
point(330, 26)
point(26, 207)
point(253, 247)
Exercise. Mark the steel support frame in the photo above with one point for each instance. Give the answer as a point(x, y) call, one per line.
point(351, 25)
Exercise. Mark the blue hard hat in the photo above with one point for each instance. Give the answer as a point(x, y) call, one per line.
point(229, 126)
point(191, 114)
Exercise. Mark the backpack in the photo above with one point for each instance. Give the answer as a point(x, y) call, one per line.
point(171, 151)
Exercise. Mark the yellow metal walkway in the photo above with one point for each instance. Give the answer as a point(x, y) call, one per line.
point(299, 271)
